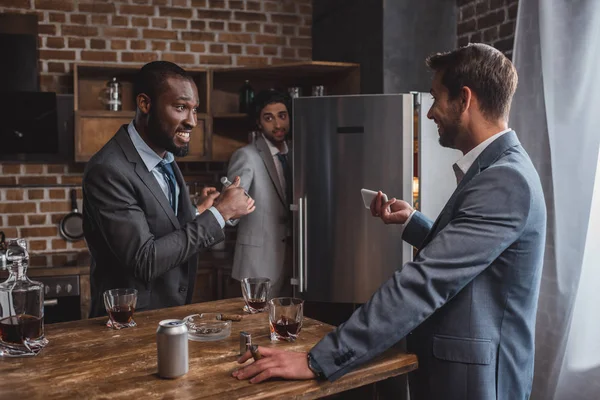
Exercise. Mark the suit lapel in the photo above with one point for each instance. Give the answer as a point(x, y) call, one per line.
point(485, 159)
point(146, 176)
point(267, 157)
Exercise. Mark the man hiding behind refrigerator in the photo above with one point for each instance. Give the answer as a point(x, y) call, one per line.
point(469, 298)
point(264, 246)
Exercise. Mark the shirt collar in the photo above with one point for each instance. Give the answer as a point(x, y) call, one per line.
point(468, 159)
point(149, 156)
point(274, 150)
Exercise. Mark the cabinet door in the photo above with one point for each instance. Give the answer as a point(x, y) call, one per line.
point(94, 128)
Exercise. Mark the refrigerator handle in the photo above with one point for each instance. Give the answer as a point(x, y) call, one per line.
point(304, 271)
point(299, 279)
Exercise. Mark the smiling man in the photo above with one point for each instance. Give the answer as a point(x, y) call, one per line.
point(264, 246)
point(142, 230)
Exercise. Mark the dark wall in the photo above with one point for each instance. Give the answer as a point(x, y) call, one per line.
point(351, 31)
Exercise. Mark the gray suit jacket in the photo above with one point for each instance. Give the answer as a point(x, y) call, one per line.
point(135, 238)
point(260, 246)
point(469, 298)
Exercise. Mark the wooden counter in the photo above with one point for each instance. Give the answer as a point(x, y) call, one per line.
point(85, 359)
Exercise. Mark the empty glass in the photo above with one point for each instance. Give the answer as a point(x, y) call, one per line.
point(256, 294)
point(285, 318)
point(120, 306)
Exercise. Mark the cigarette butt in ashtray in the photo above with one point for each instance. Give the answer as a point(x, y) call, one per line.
point(255, 353)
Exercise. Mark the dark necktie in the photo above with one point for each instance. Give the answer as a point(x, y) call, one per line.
point(287, 174)
point(167, 170)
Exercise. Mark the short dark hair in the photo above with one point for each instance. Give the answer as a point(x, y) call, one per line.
point(152, 76)
point(266, 97)
point(484, 70)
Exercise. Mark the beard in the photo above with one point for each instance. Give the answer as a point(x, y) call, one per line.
point(161, 138)
point(450, 129)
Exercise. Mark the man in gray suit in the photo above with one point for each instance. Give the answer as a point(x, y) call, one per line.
point(141, 228)
point(263, 247)
point(469, 298)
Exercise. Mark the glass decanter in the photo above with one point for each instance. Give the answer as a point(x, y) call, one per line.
point(21, 306)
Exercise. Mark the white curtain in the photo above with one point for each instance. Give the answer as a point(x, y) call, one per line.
point(556, 113)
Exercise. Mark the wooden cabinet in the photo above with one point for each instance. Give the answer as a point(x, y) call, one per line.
point(221, 128)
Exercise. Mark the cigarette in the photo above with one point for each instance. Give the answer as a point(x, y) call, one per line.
point(229, 317)
point(255, 353)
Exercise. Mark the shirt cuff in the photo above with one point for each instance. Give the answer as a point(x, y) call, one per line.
point(218, 216)
point(404, 225)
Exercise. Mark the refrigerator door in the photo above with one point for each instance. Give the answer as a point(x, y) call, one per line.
point(341, 145)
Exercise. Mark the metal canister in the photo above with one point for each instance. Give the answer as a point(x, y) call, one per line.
point(113, 95)
point(172, 348)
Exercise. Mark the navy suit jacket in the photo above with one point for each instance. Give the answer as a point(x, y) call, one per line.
point(469, 298)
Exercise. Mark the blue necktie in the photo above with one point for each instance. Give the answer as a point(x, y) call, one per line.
point(167, 170)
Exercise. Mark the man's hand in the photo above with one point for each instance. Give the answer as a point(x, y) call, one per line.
point(233, 203)
point(274, 364)
point(206, 199)
point(391, 212)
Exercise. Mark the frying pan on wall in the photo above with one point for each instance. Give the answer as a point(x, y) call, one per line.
point(71, 226)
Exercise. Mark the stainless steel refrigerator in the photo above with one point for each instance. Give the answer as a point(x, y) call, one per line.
point(342, 144)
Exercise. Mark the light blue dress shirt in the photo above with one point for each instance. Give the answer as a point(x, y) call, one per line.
point(152, 160)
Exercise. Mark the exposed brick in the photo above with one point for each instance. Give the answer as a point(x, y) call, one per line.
point(197, 47)
point(121, 32)
point(97, 7)
point(304, 53)
point(305, 9)
point(234, 49)
point(34, 169)
point(139, 57)
point(47, 29)
point(236, 5)
point(253, 50)
point(512, 11)
point(270, 51)
point(235, 38)
point(162, 23)
point(265, 39)
point(76, 43)
point(214, 14)
point(57, 55)
point(289, 7)
point(80, 19)
point(119, 20)
point(55, 206)
point(475, 37)
point(288, 30)
point(250, 16)
point(99, 19)
point(116, 44)
point(11, 169)
point(273, 7)
point(288, 52)
point(198, 3)
point(252, 27)
point(216, 3)
point(285, 19)
point(37, 180)
point(159, 45)
point(37, 245)
point(57, 194)
point(137, 45)
point(179, 24)
point(58, 244)
point(175, 12)
point(199, 36)
point(199, 25)
point(57, 17)
point(55, 168)
point(39, 231)
point(304, 31)
point(75, 30)
point(98, 44)
point(178, 3)
point(507, 29)
point(157, 34)
point(36, 219)
point(482, 7)
point(57, 68)
point(491, 19)
point(467, 12)
point(179, 58)
point(216, 48)
point(17, 208)
point(23, 4)
point(251, 61)
point(144, 22)
point(10, 232)
point(253, 5)
point(136, 10)
point(490, 34)
point(234, 27)
point(59, 5)
point(71, 180)
point(16, 220)
point(35, 194)
point(272, 29)
point(102, 56)
point(300, 42)
point(14, 194)
point(215, 60)
point(80, 244)
point(466, 27)
point(56, 218)
point(505, 45)
point(216, 25)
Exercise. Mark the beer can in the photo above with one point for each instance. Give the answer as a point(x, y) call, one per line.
point(172, 348)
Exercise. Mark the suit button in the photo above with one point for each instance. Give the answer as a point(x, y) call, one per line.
point(337, 362)
point(182, 289)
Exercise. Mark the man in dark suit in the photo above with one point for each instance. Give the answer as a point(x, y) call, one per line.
point(469, 298)
point(142, 230)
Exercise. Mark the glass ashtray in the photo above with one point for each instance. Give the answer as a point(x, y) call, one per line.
point(206, 327)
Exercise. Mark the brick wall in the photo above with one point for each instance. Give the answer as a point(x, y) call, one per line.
point(191, 33)
point(487, 21)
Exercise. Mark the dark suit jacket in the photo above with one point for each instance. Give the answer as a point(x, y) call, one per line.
point(469, 297)
point(135, 239)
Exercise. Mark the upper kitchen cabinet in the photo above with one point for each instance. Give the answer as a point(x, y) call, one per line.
point(95, 124)
point(230, 129)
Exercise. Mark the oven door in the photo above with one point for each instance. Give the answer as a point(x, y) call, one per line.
point(61, 298)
